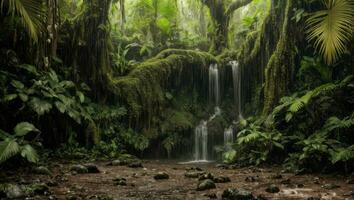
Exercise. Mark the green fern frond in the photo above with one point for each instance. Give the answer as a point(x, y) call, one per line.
point(336, 123)
point(29, 153)
point(331, 29)
point(342, 154)
point(8, 149)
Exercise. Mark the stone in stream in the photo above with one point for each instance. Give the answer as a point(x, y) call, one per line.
point(79, 169)
point(206, 176)
point(136, 164)
point(276, 176)
point(286, 181)
point(38, 189)
point(12, 191)
point(272, 189)
point(52, 183)
point(222, 166)
point(252, 178)
point(349, 194)
point(206, 185)
point(161, 176)
point(91, 168)
point(120, 181)
point(330, 186)
point(350, 181)
point(222, 179)
point(235, 194)
point(211, 195)
point(313, 198)
point(42, 170)
point(193, 174)
point(119, 162)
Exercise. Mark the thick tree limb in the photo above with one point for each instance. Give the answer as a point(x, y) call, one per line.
point(236, 5)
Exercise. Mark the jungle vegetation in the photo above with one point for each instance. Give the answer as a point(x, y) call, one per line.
point(104, 78)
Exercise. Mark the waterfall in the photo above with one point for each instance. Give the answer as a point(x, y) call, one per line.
point(228, 137)
point(236, 76)
point(214, 84)
point(201, 142)
point(201, 131)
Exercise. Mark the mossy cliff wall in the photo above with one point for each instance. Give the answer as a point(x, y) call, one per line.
point(268, 57)
point(144, 89)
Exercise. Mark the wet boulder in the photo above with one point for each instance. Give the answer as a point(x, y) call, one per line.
point(272, 189)
point(206, 176)
point(206, 185)
point(79, 169)
point(192, 174)
point(222, 179)
point(12, 191)
point(135, 164)
point(237, 194)
point(211, 195)
point(161, 176)
point(42, 170)
point(91, 168)
point(330, 186)
point(120, 181)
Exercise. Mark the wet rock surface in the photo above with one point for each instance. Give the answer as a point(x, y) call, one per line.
point(161, 176)
point(79, 169)
point(123, 182)
point(272, 189)
point(206, 185)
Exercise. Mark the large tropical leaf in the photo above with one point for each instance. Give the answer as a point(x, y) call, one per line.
point(331, 29)
point(23, 128)
point(40, 106)
point(30, 12)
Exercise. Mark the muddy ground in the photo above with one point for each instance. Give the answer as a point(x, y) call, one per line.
point(140, 183)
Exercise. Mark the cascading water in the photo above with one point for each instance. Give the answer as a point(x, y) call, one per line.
point(201, 141)
point(236, 76)
point(228, 137)
point(201, 131)
point(214, 84)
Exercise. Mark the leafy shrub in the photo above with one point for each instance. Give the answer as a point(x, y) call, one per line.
point(15, 144)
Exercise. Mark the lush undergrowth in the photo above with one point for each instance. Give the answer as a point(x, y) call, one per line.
point(95, 80)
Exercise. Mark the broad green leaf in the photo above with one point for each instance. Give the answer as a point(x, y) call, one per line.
point(81, 96)
point(60, 106)
point(23, 97)
point(23, 128)
point(10, 97)
point(40, 106)
point(17, 84)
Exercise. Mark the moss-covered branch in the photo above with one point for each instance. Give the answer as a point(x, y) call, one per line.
point(143, 89)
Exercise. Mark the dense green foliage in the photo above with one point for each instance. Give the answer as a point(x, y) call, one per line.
point(105, 78)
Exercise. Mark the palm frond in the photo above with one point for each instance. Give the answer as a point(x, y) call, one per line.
point(31, 14)
point(331, 29)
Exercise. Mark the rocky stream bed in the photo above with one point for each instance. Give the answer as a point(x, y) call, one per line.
point(168, 180)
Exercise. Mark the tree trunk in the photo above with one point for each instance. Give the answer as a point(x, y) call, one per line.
point(221, 15)
point(93, 30)
point(122, 12)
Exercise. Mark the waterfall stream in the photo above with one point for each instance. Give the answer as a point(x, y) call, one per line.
point(236, 77)
point(201, 143)
point(201, 131)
